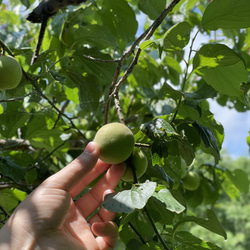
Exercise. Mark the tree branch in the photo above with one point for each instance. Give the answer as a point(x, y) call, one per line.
point(15, 99)
point(114, 88)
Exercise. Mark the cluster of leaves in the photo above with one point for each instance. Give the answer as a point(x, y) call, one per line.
point(87, 73)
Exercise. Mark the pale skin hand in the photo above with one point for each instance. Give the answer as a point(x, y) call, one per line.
point(49, 219)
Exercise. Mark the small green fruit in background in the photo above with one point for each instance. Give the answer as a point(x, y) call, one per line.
point(10, 72)
point(116, 142)
point(139, 162)
point(191, 181)
point(90, 135)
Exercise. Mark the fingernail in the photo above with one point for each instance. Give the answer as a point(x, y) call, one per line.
point(91, 147)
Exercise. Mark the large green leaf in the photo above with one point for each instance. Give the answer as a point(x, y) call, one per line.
point(187, 241)
point(152, 8)
point(128, 200)
point(208, 139)
point(229, 14)
point(157, 129)
point(119, 18)
point(158, 211)
point(170, 202)
point(103, 70)
point(211, 223)
point(177, 37)
point(8, 200)
point(89, 88)
point(204, 92)
point(221, 68)
point(94, 35)
point(236, 181)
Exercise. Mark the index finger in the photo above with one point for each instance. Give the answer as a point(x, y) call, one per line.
point(68, 177)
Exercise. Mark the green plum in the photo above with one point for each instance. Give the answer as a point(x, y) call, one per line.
point(139, 162)
point(10, 72)
point(116, 142)
point(191, 181)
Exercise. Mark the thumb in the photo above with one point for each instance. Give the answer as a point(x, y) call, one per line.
point(68, 177)
point(107, 233)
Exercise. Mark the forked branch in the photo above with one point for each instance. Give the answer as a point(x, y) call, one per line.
point(114, 87)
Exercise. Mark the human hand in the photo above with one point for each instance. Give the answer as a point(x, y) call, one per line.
point(49, 218)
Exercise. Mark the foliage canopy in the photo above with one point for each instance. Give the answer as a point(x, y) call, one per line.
point(97, 65)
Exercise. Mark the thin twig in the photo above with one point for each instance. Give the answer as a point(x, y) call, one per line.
point(5, 48)
point(62, 112)
point(100, 60)
point(118, 107)
point(127, 73)
point(6, 215)
point(137, 233)
point(52, 104)
point(45, 18)
point(155, 229)
point(15, 99)
point(47, 156)
point(185, 77)
point(115, 85)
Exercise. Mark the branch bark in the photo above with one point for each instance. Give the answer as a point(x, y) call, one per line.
point(114, 88)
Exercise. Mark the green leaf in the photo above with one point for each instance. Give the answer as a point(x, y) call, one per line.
point(173, 69)
point(177, 37)
point(221, 68)
point(31, 176)
point(208, 139)
point(160, 148)
point(44, 138)
point(152, 8)
point(119, 18)
point(89, 88)
point(228, 14)
point(20, 195)
point(171, 92)
point(8, 200)
point(204, 92)
point(157, 129)
point(211, 223)
point(11, 121)
point(159, 173)
point(158, 211)
point(170, 202)
point(128, 200)
point(26, 3)
point(186, 150)
point(9, 168)
point(248, 139)
point(95, 35)
point(102, 70)
point(240, 180)
point(230, 189)
point(187, 241)
point(146, 44)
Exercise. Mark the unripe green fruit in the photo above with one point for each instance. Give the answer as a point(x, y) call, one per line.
point(139, 162)
point(116, 142)
point(191, 181)
point(10, 72)
point(90, 135)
